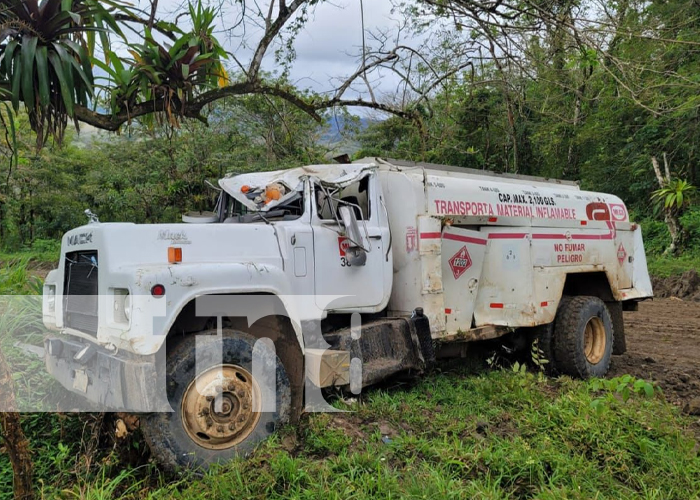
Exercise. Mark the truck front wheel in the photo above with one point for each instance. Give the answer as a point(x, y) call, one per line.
point(217, 406)
point(583, 337)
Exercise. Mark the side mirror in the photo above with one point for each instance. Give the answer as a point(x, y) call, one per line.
point(356, 254)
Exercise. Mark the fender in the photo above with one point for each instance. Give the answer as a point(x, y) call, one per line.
point(186, 282)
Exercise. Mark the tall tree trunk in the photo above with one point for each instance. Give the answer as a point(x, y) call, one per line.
point(571, 170)
point(510, 106)
point(572, 166)
point(670, 217)
point(16, 443)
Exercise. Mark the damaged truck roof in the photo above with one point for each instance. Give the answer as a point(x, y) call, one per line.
point(250, 189)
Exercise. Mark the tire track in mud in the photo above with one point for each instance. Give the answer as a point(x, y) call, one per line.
point(663, 346)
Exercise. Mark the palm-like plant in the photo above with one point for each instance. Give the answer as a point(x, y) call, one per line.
point(675, 195)
point(177, 73)
point(173, 73)
point(122, 87)
point(44, 56)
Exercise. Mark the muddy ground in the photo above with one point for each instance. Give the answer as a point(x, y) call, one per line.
point(663, 345)
point(686, 286)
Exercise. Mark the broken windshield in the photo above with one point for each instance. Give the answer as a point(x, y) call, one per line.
point(267, 191)
point(230, 210)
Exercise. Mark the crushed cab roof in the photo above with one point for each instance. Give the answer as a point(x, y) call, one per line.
point(244, 187)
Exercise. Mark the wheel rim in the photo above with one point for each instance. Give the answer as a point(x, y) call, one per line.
point(221, 407)
point(594, 340)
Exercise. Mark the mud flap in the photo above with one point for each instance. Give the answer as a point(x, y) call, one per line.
point(427, 346)
point(386, 347)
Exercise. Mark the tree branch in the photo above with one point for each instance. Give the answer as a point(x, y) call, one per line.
point(193, 108)
point(657, 171)
point(151, 23)
point(272, 29)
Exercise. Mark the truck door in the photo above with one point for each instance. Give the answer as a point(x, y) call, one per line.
point(462, 260)
point(366, 286)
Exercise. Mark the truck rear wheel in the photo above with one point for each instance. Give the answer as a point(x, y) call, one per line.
point(216, 409)
point(583, 337)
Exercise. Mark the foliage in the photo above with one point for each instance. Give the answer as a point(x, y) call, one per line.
point(539, 359)
point(21, 321)
point(623, 387)
point(16, 279)
point(173, 73)
point(664, 266)
point(675, 196)
point(155, 175)
point(66, 465)
point(657, 238)
point(48, 50)
point(569, 102)
point(45, 61)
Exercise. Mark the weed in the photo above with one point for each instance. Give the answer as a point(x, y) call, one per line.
point(538, 357)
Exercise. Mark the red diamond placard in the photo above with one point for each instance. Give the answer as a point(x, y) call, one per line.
point(621, 253)
point(460, 262)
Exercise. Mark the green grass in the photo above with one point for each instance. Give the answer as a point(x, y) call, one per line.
point(44, 253)
point(453, 435)
point(21, 321)
point(16, 278)
point(664, 266)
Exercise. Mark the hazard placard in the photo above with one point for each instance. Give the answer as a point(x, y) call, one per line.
point(460, 262)
point(621, 253)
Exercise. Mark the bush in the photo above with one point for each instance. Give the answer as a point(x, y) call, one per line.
point(656, 236)
point(690, 221)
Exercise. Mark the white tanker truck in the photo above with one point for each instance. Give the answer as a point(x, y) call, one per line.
point(374, 268)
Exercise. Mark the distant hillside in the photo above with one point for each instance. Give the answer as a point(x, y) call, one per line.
point(339, 133)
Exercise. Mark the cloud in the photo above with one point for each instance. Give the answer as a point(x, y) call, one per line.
point(326, 48)
point(329, 44)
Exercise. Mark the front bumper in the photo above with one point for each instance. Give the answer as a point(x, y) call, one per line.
point(116, 381)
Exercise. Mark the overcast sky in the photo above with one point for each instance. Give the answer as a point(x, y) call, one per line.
point(322, 48)
point(335, 30)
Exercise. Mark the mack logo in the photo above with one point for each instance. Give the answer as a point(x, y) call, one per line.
point(79, 239)
point(174, 236)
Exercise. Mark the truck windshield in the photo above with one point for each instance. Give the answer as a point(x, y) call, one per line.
point(232, 211)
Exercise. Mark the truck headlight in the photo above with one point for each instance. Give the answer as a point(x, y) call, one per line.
point(50, 294)
point(127, 306)
point(122, 305)
point(54, 347)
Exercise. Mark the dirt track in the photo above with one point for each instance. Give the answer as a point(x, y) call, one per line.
point(663, 345)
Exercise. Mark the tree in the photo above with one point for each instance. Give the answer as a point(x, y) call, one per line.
point(49, 50)
point(13, 436)
point(673, 196)
point(45, 63)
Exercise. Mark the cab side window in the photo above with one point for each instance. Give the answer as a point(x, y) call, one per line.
point(329, 200)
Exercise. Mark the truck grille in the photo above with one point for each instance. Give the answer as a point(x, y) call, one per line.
point(81, 292)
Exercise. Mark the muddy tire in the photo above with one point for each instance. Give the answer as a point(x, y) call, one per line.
point(583, 337)
point(216, 407)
